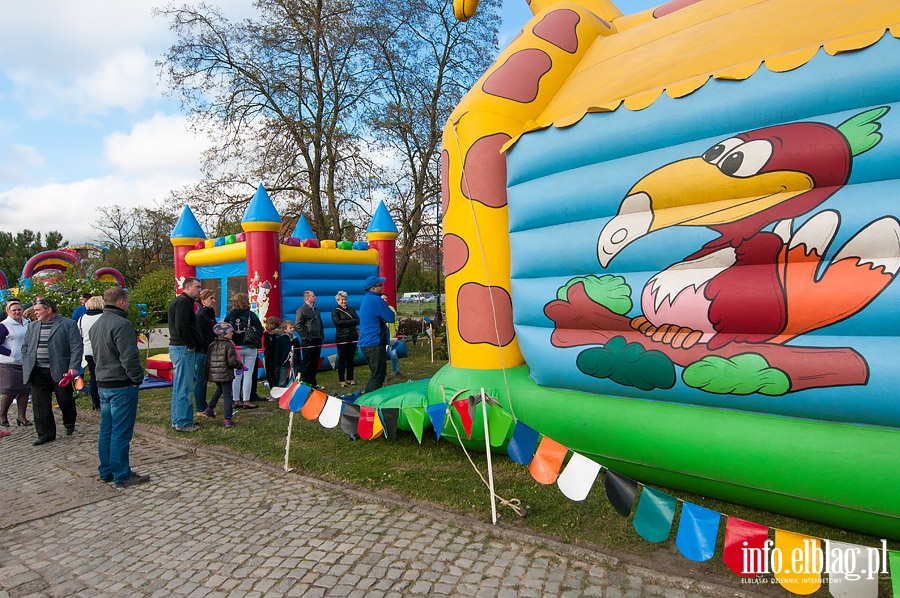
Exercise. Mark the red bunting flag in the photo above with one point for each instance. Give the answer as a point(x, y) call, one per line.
point(745, 551)
point(465, 417)
point(369, 426)
point(284, 400)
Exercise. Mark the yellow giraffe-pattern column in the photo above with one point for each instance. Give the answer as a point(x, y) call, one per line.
point(502, 104)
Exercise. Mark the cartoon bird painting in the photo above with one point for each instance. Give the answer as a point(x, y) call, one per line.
point(738, 188)
point(734, 304)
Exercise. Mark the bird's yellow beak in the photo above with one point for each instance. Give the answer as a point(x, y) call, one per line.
point(694, 192)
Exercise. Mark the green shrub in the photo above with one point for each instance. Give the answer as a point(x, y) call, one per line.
point(156, 289)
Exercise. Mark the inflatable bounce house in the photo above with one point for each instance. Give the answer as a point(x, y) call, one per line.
point(275, 274)
point(57, 261)
point(629, 204)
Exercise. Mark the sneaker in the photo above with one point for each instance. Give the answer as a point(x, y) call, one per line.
point(228, 423)
point(248, 405)
point(398, 375)
point(134, 480)
point(208, 412)
point(319, 387)
point(105, 479)
point(190, 428)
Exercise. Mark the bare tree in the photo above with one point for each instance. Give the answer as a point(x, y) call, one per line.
point(285, 92)
point(428, 60)
point(137, 239)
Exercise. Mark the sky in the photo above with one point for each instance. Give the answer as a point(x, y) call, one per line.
point(84, 122)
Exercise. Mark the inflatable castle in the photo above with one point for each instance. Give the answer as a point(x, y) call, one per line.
point(629, 203)
point(276, 273)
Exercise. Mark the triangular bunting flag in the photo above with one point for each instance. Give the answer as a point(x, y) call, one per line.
point(797, 575)
point(350, 419)
point(745, 550)
point(299, 397)
point(436, 413)
point(654, 515)
point(314, 404)
point(521, 446)
point(895, 571)
point(841, 583)
point(284, 395)
point(697, 532)
point(369, 425)
point(331, 413)
point(621, 492)
point(416, 418)
point(390, 416)
point(578, 477)
point(548, 458)
point(465, 416)
point(499, 423)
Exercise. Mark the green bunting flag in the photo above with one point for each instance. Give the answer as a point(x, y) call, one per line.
point(416, 418)
point(499, 422)
point(654, 515)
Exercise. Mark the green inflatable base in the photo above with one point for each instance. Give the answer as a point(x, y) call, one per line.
point(842, 475)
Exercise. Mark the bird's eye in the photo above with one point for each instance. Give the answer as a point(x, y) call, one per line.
point(713, 154)
point(747, 159)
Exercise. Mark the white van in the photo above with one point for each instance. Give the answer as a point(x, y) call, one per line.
point(413, 297)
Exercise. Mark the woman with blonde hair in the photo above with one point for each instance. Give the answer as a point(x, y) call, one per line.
point(248, 331)
point(12, 385)
point(346, 324)
point(94, 307)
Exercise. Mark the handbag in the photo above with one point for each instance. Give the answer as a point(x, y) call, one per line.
point(252, 338)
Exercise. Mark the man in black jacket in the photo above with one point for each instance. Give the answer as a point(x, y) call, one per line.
point(117, 366)
point(184, 340)
point(312, 333)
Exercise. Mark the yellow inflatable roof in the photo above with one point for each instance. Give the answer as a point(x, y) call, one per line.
point(724, 39)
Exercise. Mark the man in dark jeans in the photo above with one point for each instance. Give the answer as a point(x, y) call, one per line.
point(374, 313)
point(312, 333)
point(184, 340)
point(119, 374)
point(51, 353)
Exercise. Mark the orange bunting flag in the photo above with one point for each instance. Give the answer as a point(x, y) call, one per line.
point(465, 417)
point(499, 423)
point(745, 551)
point(578, 477)
point(547, 461)
point(797, 562)
point(416, 418)
point(314, 405)
point(369, 426)
point(331, 413)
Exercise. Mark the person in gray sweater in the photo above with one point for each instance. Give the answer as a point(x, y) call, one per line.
point(51, 358)
point(117, 365)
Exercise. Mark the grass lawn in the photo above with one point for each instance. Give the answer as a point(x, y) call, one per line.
point(439, 473)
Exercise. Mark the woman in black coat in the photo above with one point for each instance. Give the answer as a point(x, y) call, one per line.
point(206, 318)
point(346, 333)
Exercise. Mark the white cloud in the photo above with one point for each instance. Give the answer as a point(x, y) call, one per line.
point(71, 208)
point(123, 81)
point(16, 161)
point(160, 146)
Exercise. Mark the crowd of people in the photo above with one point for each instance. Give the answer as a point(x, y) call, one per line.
point(42, 353)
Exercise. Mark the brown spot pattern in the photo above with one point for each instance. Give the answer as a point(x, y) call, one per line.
point(476, 320)
point(670, 7)
point(456, 254)
point(484, 170)
point(445, 182)
point(558, 28)
point(519, 77)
